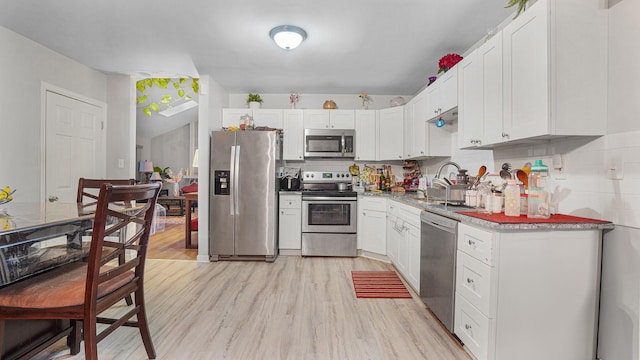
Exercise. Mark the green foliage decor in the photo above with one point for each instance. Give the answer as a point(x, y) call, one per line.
point(167, 99)
point(521, 5)
point(254, 98)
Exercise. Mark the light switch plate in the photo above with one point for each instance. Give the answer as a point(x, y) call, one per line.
point(120, 163)
point(615, 165)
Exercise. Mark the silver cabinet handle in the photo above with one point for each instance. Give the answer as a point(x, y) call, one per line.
point(53, 198)
point(467, 326)
point(469, 281)
point(471, 242)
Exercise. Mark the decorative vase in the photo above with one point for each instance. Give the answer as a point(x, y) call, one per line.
point(293, 106)
point(254, 105)
point(365, 106)
point(175, 189)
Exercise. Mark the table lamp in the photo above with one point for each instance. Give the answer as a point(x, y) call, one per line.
point(146, 167)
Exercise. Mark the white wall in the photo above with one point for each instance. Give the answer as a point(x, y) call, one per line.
point(620, 299)
point(212, 99)
point(24, 65)
point(171, 150)
point(121, 130)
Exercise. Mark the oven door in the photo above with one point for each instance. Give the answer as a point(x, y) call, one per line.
point(329, 216)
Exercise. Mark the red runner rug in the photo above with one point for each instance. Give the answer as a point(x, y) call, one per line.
point(379, 284)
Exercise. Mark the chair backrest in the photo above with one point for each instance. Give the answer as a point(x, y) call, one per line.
point(104, 268)
point(94, 184)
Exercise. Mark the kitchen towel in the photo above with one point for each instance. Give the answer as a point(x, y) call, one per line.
point(379, 284)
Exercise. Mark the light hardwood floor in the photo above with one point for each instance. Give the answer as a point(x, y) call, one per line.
point(294, 308)
point(169, 244)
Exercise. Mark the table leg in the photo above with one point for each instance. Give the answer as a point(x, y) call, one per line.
point(187, 225)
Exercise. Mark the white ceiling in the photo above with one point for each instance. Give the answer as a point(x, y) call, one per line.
point(385, 47)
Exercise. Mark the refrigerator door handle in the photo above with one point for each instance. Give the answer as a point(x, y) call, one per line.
point(236, 181)
point(232, 177)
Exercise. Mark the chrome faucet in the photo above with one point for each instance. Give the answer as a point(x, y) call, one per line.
point(445, 164)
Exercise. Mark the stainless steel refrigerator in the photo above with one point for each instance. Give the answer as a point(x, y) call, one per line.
point(244, 195)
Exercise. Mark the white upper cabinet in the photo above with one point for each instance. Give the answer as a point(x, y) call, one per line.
point(231, 117)
point(442, 96)
point(329, 119)
point(366, 135)
point(293, 136)
point(391, 129)
point(480, 95)
point(422, 137)
point(268, 117)
point(555, 70)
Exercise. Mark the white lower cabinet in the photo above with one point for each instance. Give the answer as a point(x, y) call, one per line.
point(372, 224)
point(403, 240)
point(527, 294)
point(290, 222)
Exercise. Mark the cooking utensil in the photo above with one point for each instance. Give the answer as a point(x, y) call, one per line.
point(343, 186)
point(504, 173)
point(522, 176)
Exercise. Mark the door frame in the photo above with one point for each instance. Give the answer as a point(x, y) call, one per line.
point(47, 87)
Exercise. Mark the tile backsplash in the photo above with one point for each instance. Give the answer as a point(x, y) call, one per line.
point(586, 185)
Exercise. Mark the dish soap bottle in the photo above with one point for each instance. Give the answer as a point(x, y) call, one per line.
point(538, 199)
point(512, 198)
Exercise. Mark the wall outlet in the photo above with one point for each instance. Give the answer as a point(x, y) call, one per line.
point(615, 165)
point(559, 165)
point(120, 163)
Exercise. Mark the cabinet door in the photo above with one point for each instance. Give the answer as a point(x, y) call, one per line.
point(526, 74)
point(290, 233)
point(293, 139)
point(470, 98)
point(391, 133)
point(342, 119)
point(392, 239)
point(231, 117)
point(366, 135)
point(490, 56)
point(268, 117)
point(449, 90)
point(413, 257)
point(432, 92)
point(403, 247)
point(372, 229)
point(316, 119)
point(409, 150)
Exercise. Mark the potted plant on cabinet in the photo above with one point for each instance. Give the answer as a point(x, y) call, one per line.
point(254, 101)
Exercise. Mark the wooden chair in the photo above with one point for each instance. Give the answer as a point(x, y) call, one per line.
point(83, 290)
point(94, 184)
point(88, 196)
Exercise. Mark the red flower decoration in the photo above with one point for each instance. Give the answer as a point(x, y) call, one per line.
point(448, 61)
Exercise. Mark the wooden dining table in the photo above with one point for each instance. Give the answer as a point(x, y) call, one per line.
point(34, 238)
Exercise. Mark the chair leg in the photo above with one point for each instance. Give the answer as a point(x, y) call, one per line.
point(89, 328)
point(143, 325)
point(1, 337)
point(74, 339)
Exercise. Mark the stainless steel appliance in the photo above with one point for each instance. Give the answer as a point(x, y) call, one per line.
point(329, 143)
point(328, 215)
point(244, 195)
point(438, 265)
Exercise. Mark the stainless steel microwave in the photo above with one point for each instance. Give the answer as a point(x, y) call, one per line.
point(328, 143)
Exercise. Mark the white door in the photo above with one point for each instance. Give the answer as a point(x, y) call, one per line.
point(74, 146)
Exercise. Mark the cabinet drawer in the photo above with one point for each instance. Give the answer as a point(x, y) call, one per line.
point(290, 202)
point(473, 282)
point(477, 243)
point(371, 203)
point(472, 328)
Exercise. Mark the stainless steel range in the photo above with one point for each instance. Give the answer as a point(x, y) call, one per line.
point(328, 214)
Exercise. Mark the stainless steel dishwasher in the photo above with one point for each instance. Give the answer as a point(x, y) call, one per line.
point(438, 246)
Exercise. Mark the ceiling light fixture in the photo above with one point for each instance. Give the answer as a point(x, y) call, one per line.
point(288, 37)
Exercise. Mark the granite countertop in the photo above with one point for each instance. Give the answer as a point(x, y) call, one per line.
point(556, 222)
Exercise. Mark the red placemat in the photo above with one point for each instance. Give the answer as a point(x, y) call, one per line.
point(523, 219)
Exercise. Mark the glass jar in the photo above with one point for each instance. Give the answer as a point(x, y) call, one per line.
point(512, 198)
point(246, 122)
point(538, 206)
